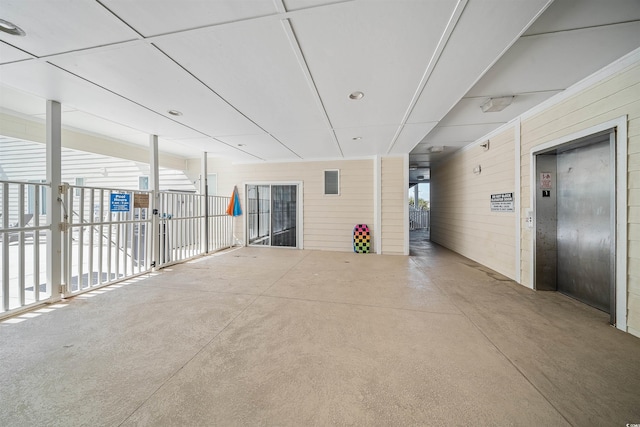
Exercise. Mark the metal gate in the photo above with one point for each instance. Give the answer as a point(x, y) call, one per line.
point(180, 222)
point(109, 235)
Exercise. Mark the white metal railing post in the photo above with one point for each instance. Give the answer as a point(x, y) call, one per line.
point(204, 206)
point(67, 240)
point(5, 246)
point(54, 212)
point(154, 186)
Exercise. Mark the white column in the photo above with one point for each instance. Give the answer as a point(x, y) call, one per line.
point(405, 187)
point(154, 186)
point(205, 204)
point(377, 205)
point(53, 202)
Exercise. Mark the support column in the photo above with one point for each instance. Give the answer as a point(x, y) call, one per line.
point(377, 205)
point(205, 204)
point(405, 186)
point(154, 186)
point(53, 202)
point(416, 196)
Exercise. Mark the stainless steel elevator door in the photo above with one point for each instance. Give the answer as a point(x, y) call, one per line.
point(584, 224)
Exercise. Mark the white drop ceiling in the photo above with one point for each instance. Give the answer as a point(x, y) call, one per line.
point(269, 80)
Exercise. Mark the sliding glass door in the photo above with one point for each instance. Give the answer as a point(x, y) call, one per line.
point(272, 212)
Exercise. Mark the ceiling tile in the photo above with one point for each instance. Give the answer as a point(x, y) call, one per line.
point(410, 135)
point(170, 16)
point(9, 53)
point(253, 67)
point(263, 146)
point(211, 146)
point(81, 120)
point(311, 143)
point(556, 61)
point(457, 136)
point(307, 4)
point(145, 81)
point(62, 25)
point(484, 31)
point(380, 48)
point(50, 82)
point(565, 15)
point(374, 140)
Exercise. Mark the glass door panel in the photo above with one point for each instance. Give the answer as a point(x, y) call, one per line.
point(258, 214)
point(272, 215)
point(283, 215)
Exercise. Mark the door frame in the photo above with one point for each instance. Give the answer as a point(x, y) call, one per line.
point(299, 212)
point(619, 125)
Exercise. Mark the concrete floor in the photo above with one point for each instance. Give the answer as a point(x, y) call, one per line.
point(263, 336)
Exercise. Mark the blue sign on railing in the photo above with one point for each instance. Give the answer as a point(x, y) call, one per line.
point(120, 202)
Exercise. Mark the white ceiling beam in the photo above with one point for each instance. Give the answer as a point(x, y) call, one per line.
point(295, 46)
point(279, 5)
point(442, 43)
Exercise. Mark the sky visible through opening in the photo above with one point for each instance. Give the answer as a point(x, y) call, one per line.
point(423, 191)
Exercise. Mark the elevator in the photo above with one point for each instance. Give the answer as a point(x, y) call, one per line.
point(575, 213)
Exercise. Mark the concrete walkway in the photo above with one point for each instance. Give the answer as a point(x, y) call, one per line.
point(262, 336)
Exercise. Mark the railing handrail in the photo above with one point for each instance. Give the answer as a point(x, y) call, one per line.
point(45, 183)
point(18, 229)
point(119, 190)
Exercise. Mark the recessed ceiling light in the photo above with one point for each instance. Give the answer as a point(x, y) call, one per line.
point(356, 95)
point(11, 28)
point(175, 112)
point(357, 138)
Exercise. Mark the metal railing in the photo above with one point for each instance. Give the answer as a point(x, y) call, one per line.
point(180, 222)
point(182, 226)
point(23, 226)
point(418, 218)
point(220, 225)
point(108, 235)
point(101, 245)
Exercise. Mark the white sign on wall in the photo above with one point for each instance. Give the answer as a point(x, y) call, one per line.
point(502, 202)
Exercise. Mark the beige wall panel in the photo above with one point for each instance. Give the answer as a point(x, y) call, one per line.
point(328, 220)
point(634, 281)
point(630, 110)
point(461, 209)
point(394, 199)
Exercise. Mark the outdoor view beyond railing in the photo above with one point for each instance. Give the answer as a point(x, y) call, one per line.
point(418, 218)
point(102, 241)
